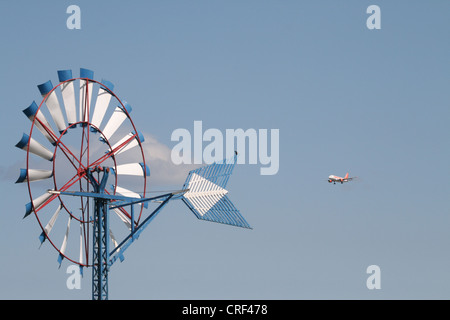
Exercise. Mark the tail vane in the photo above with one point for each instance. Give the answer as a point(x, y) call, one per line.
point(207, 197)
point(346, 176)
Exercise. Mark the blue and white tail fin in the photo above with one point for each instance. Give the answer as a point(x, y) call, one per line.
point(207, 197)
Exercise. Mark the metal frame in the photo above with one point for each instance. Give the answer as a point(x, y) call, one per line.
point(103, 258)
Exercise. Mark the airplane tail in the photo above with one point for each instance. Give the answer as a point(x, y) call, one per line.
point(346, 176)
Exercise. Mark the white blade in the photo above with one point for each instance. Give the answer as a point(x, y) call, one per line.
point(123, 218)
point(34, 175)
point(103, 99)
point(41, 199)
point(113, 239)
point(66, 236)
point(37, 203)
point(81, 260)
point(35, 147)
point(68, 94)
point(50, 224)
point(117, 118)
point(132, 142)
point(53, 105)
point(85, 100)
point(127, 193)
point(131, 169)
point(31, 112)
point(52, 221)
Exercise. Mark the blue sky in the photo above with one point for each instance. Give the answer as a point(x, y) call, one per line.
point(345, 99)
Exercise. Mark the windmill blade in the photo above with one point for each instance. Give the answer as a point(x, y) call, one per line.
point(50, 224)
point(131, 169)
point(131, 142)
point(113, 239)
point(81, 259)
point(128, 193)
point(53, 105)
point(33, 111)
point(122, 217)
point(68, 94)
point(35, 147)
point(117, 118)
point(85, 101)
point(64, 243)
point(103, 99)
point(116, 244)
point(37, 203)
point(34, 175)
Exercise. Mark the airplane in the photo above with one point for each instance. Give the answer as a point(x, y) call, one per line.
point(335, 179)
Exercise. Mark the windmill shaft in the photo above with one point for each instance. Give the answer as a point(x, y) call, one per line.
point(100, 247)
point(100, 251)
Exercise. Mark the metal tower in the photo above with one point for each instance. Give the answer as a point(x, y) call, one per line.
point(100, 248)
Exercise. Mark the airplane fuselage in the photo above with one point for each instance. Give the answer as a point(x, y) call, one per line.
point(334, 179)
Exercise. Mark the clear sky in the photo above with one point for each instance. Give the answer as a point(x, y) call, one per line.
point(374, 103)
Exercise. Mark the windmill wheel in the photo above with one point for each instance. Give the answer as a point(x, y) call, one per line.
point(92, 130)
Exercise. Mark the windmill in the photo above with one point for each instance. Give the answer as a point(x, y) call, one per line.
point(84, 163)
